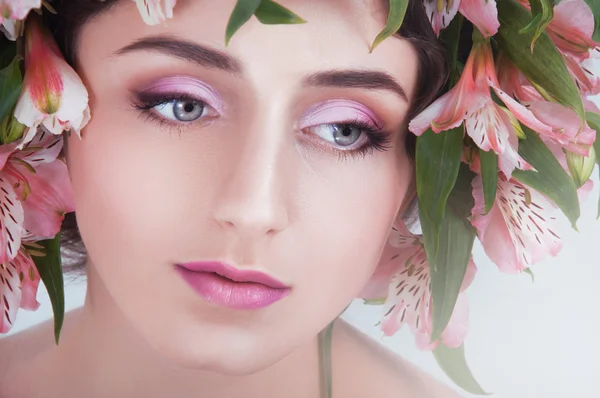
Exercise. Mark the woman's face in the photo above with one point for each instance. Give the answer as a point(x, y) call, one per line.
point(281, 153)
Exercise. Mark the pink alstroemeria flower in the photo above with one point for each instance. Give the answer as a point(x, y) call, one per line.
point(520, 229)
point(19, 281)
point(483, 14)
point(571, 30)
point(12, 12)
point(155, 12)
point(563, 124)
point(572, 27)
point(405, 274)
point(53, 95)
point(487, 123)
point(35, 192)
point(582, 72)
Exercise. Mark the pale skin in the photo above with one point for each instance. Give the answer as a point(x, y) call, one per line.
point(255, 182)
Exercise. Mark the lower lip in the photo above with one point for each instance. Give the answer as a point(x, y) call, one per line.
point(227, 293)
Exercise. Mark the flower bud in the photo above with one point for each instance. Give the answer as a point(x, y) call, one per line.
point(581, 167)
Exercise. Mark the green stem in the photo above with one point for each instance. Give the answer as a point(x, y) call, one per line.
point(325, 368)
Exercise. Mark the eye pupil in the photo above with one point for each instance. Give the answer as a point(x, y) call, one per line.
point(346, 135)
point(187, 111)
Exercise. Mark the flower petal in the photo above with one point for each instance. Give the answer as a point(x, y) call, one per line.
point(19, 281)
point(50, 198)
point(521, 112)
point(11, 220)
point(458, 325)
point(53, 94)
point(491, 129)
point(11, 29)
point(11, 295)
point(17, 9)
point(423, 120)
point(400, 246)
point(441, 13)
point(483, 14)
point(572, 27)
point(43, 148)
point(155, 12)
point(582, 72)
point(510, 158)
point(484, 126)
point(409, 291)
point(30, 281)
point(409, 302)
point(520, 229)
point(565, 124)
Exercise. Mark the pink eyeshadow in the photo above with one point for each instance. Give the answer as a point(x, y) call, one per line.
point(186, 85)
point(337, 111)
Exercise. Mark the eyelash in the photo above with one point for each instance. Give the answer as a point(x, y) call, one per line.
point(145, 102)
point(377, 139)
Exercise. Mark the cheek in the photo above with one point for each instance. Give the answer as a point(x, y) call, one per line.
point(124, 185)
point(345, 234)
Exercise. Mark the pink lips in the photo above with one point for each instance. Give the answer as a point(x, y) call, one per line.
point(224, 285)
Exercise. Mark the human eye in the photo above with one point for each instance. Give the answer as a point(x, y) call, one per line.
point(173, 109)
point(357, 136)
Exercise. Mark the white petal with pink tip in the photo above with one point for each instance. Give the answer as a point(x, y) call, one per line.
point(520, 229)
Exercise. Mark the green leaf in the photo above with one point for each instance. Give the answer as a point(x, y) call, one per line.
point(548, 178)
point(10, 130)
point(454, 252)
point(394, 21)
point(489, 175)
point(8, 52)
point(450, 38)
point(50, 270)
point(10, 87)
point(271, 13)
point(437, 163)
point(325, 365)
point(453, 363)
point(543, 12)
point(242, 12)
point(544, 66)
point(595, 8)
point(593, 120)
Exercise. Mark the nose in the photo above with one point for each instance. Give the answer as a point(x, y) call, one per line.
point(252, 201)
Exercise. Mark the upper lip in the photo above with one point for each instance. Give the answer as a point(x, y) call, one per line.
point(235, 274)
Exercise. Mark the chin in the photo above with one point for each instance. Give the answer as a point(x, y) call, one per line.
point(235, 356)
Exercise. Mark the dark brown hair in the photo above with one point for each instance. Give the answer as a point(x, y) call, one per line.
point(72, 15)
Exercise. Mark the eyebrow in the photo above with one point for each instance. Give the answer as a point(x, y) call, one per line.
point(187, 51)
point(367, 79)
point(215, 59)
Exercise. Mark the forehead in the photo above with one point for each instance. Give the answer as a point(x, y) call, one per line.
point(337, 36)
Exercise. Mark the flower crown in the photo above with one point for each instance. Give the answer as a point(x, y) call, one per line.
point(502, 155)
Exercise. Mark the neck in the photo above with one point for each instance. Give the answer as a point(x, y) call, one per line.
point(101, 353)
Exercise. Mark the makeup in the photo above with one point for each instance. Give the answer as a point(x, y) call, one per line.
point(346, 117)
point(340, 111)
point(222, 284)
point(177, 86)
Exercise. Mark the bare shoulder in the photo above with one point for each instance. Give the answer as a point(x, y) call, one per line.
point(19, 349)
point(366, 368)
point(18, 345)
